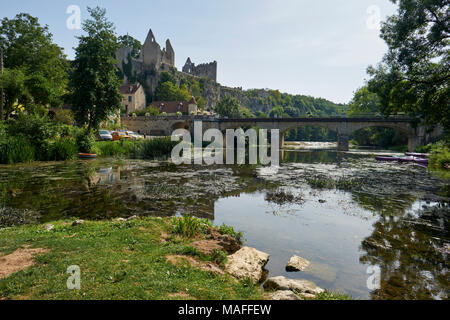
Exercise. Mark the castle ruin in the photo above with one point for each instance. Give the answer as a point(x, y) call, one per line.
point(207, 70)
point(154, 58)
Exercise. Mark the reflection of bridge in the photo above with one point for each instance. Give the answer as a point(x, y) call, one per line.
point(343, 127)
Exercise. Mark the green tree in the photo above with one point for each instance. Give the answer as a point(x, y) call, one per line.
point(364, 102)
point(276, 112)
point(29, 50)
point(229, 107)
point(153, 111)
point(168, 91)
point(94, 83)
point(132, 43)
point(414, 75)
point(12, 81)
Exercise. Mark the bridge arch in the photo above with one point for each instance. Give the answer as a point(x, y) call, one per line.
point(180, 125)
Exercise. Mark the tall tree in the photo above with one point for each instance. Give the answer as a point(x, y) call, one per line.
point(414, 76)
point(228, 106)
point(364, 102)
point(94, 83)
point(132, 43)
point(29, 49)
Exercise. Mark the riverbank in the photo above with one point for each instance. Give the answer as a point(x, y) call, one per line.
point(137, 258)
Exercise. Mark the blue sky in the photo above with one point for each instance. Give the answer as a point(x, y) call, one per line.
point(318, 48)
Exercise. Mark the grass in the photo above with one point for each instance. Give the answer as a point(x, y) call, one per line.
point(330, 295)
point(187, 226)
point(146, 149)
point(118, 260)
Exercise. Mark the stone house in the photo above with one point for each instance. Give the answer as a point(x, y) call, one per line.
point(133, 97)
point(172, 107)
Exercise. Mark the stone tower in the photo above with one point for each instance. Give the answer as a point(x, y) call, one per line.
point(151, 54)
point(207, 70)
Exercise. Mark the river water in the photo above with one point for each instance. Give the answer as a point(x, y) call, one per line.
point(344, 212)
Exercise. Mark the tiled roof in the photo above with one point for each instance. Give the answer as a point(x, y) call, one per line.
point(171, 106)
point(129, 88)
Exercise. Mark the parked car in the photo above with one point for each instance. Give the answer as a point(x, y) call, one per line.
point(134, 135)
point(118, 135)
point(105, 135)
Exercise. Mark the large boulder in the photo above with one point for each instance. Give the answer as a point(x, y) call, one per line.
point(297, 263)
point(283, 295)
point(247, 263)
point(303, 287)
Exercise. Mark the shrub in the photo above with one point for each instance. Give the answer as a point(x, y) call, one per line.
point(36, 128)
point(152, 111)
point(157, 147)
point(224, 229)
point(63, 149)
point(64, 116)
point(16, 149)
point(85, 141)
point(187, 226)
point(219, 257)
point(440, 156)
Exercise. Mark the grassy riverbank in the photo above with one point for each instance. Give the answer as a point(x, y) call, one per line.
point(28, 138)
point(143, 258)
point(117, 260)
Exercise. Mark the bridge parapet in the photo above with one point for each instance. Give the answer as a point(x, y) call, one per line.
point(343, 126)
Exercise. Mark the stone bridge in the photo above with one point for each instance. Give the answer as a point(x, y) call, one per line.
point(344, 127)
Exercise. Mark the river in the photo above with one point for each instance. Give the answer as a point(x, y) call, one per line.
point(344, 212)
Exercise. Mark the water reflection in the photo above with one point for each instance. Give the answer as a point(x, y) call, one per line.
point(394, 219)
point(412, 255)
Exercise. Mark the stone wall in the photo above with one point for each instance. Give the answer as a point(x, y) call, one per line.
point(204, 70)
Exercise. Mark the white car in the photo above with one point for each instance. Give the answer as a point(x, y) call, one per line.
point(105, 135)
point(134, 135)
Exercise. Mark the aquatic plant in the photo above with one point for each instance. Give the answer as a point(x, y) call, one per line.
point(63, 149)
point(186, 226)
point(330, 295)
point(16, 149)
point(157, 147)
point(238, 235)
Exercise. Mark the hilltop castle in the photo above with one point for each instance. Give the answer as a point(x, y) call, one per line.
point(153, 58)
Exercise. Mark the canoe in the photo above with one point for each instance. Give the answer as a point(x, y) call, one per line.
point(417, 160)
point(418, 155)
point(398, 159)
point(386, 158)
point(87, 155)
point(421, 161)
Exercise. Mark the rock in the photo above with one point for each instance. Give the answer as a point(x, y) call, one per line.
point(206, 247)
point(300, 286)
point(49, 227)
point(132, 218)
point(227, 242)
point(77, 222)
point(297, 263)
point(283, 295)
point(247, 263)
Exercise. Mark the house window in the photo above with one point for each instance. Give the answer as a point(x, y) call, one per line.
point(130, 98)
